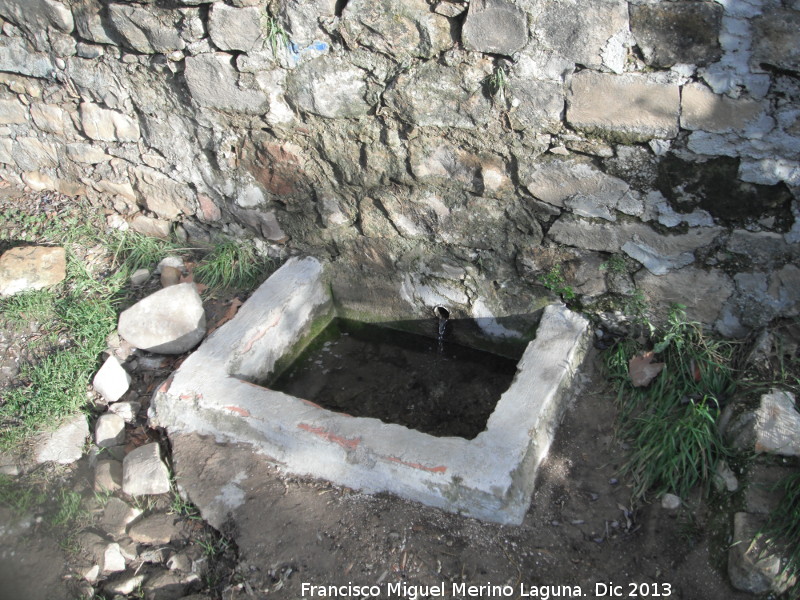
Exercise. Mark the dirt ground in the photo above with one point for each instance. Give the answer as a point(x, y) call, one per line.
point(579, 531)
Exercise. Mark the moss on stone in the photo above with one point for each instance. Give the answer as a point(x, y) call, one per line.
point(715, 186)
point(311, 337)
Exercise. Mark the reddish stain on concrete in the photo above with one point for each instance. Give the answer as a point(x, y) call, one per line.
point(164, 388)
point(413, 465)
point(238, 410)
point(344, 442)
point(249, 344)
point(310, 403)
point(255, 385)
point(315, 405)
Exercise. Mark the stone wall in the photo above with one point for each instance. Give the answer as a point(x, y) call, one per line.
point(444, 152)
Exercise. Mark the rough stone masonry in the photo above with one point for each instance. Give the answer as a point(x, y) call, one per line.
point(449, 150)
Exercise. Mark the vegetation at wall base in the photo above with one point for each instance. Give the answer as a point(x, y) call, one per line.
point(555, 281)
point(233, 264)
point(132, 251)
point(73, 319)
point(672, 428)
point(782, 532)
point(671, 424)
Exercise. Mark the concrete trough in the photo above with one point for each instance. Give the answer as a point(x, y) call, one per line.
point(490, 477)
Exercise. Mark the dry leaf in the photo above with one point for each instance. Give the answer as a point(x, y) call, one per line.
point(642, 370)
point(229, 314)
point(694, 368)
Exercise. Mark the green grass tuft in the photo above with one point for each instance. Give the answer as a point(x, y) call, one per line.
point(276, 35)
point(672, 424)
point(28, 307)
point(233, 264)
point(497, 83)
point(134, 251)
point(782, 531)
point(554, 281)
point(179, 506)
point(69, 511)
point(78, 320)
point(19, 498)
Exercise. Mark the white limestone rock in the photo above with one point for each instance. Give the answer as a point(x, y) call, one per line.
point(31, 268)
point(112, 380)
point(143, 472)
point(170, 321)
point(778, 424)
point(109, 430)
point(65, 444)
point(126, 410)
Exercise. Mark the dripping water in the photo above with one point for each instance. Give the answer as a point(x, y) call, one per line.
point(443, 315)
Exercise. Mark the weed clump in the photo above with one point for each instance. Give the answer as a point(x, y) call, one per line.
point(671, 424)
point(132, 251)
point(782, 532)
point(554, 281)
point(233, 264)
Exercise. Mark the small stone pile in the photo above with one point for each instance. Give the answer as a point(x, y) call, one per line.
point(135, 545)
point(771, 430)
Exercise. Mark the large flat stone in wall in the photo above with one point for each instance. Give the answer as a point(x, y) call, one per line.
point(213, 83)
point(148, 30)
point(17, 56)
point(6, 151)
point(704, 293)
point(627, 108)
point(87, 153)
point(658, 252)
point(329, 87)
point(592, 34)
point(38, 14)
point(107, 125)
point(51, 118)
point(537, 105)
point(12, 112)
point(89, 23)
point(95, 80)
point(443, 162)
point(434, 95)
point(494, 27)
point(438, 161)
point(677, 32)
point(33, 154)
point(302, 18)
point(703, 109)
point(563, 182)
point(397, 28)
point(775, 39)
point(236, 28)
point(35, 17)
point(151, 227)
point(163, 195)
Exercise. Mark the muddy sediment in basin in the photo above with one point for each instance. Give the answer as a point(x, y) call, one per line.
point(363, 370)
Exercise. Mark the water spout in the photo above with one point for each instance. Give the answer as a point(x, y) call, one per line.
point(443, 315)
